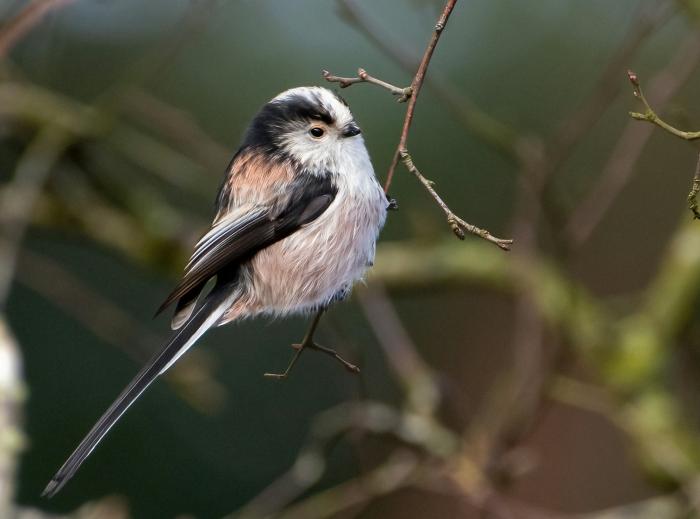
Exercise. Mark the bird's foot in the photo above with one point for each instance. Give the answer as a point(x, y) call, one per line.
point(328, 351)
point(309, 343)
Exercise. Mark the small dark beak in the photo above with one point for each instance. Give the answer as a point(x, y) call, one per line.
point(351, 130)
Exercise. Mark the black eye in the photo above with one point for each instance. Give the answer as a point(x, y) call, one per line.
point(317, 132)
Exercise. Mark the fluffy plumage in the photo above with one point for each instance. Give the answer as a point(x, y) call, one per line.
point(298, 215)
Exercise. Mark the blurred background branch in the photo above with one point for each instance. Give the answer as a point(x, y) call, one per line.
point(13, 30)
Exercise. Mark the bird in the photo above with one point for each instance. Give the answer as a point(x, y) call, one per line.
point(297, 218)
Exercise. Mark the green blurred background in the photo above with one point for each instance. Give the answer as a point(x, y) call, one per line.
point(176, 82)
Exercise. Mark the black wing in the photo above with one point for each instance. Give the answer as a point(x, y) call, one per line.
point(238, 236)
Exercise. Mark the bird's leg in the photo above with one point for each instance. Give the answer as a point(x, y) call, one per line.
point(348, 365)
point(308, 342)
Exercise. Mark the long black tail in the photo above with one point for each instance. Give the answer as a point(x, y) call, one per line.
point(215, 304)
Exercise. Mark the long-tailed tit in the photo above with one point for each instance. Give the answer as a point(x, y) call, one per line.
point(297, 218)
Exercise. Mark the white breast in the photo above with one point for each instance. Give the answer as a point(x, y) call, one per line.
point(305, 270)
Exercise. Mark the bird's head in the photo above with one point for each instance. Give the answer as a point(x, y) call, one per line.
point(311, 125)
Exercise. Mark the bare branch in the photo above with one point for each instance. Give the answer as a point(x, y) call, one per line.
point(416, 85)
point(364, 77)
point(650, 115)
point(619, 168)
point(457, 225)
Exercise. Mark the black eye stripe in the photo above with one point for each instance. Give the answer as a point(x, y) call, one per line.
point(303, 108)
point(279, 113)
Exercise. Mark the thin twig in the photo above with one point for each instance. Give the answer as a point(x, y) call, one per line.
point(363, 77)
point(457, 225)
point(693, 195)
point(650, 115)
point(416, 86)
point(619, 169)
